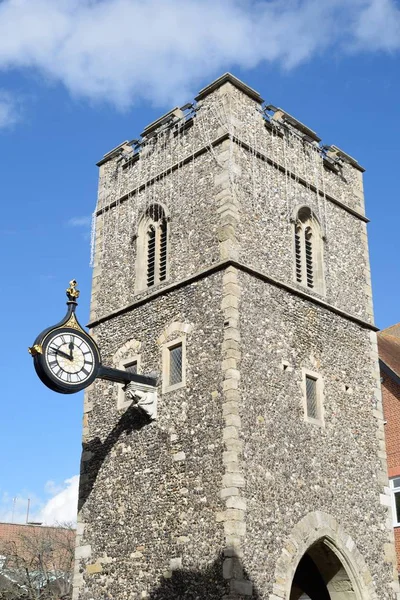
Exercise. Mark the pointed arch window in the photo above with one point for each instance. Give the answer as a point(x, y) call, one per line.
point(308, 250)
point(152, 255)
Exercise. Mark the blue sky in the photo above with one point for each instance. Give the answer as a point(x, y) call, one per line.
point(77, 77)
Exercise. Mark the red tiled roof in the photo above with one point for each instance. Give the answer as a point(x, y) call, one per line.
point(23, 539)
point(389, 347)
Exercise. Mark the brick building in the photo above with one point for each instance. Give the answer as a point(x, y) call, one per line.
point(389, 360)
point(231, 258)
point(35, 557)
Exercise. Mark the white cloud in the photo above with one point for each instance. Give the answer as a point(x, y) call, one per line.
point(62, 507)
point(52, 488)
point(160, 50)
point(379, 26)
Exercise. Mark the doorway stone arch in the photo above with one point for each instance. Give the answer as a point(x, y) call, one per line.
point(319, 545)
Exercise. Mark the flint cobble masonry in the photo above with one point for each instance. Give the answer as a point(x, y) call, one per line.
point(223, 494)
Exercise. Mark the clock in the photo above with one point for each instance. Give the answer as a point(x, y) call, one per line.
point(69, 358)
point(66, 358)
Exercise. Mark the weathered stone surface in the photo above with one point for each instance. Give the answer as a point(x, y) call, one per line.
point(223, 494)
point(95, 568)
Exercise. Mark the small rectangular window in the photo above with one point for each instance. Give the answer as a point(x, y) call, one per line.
point(311, 397)
point(175, 364)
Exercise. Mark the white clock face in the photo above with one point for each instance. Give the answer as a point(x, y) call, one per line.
point(69, 358)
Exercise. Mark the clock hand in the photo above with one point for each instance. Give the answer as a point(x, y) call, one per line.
point(71, 347)
point(57, 351)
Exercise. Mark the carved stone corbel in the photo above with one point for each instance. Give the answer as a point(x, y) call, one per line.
point(144, 397)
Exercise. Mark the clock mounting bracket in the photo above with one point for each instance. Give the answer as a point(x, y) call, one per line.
point(67, 359)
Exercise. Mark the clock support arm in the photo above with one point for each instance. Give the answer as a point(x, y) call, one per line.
point(125, 377)
point(141, 389)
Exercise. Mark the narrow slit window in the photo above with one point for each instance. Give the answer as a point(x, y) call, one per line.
point(297, 243)
point(308, 265)
point(175, 364)
point(163, 251)
point(311, 398)
point(309, 258)
point(152, 254)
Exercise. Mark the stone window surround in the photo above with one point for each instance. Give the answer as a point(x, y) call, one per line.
point(141, 248)
point(122, 402)
point(318, 238)
point(179, 331)
point(125, 355)
point(394, 490)
point(320, 397)
point(181, 340)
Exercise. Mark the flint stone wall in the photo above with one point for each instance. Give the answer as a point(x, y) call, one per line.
point(270, 247)
point(293, 467)
point(150, 491)
point(192, 233)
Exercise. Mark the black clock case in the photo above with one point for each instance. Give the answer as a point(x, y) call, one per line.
point(44, 372)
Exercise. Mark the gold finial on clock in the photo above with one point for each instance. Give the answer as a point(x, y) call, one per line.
point(72, 292)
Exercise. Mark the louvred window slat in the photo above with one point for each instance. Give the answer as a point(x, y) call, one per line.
point(157, 246)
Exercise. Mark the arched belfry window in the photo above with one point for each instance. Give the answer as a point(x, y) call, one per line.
point(152, 249)
point(308, 247)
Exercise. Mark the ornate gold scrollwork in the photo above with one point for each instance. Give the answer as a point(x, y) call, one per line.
point(36, 349)
point(73, 323)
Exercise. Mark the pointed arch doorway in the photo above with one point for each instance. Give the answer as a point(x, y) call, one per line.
point(322, 575)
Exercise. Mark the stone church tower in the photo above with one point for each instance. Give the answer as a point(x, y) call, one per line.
point(230, 257)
